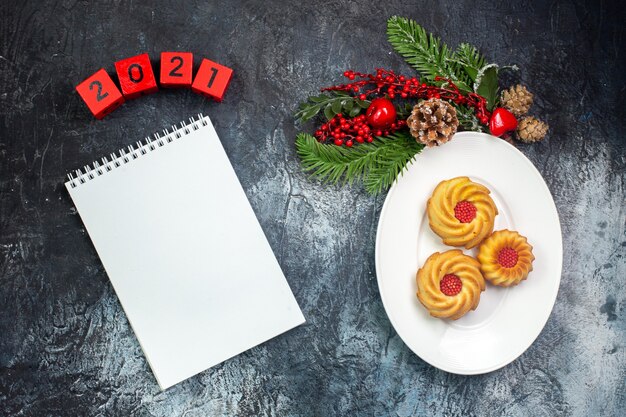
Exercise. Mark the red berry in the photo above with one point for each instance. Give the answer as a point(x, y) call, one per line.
point(338, 142)
point(450, 285)
point(370, 139)
point(346, 73)
point(362, 97)
point(507, 257)
point(349, 143)
point(360, 139)
point(379, 133)
point(464, 211)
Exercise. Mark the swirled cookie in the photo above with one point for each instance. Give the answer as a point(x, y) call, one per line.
point(461, 212)
point(449, 284)
point(505, 258)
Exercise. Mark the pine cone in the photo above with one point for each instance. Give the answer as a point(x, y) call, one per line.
point(517, 100)
point(531, 130)
point(433, 122)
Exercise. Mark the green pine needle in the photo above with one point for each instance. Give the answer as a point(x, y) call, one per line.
point(425, 52)
point(377, 164)
point(470, 60)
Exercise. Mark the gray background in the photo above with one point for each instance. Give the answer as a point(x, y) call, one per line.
point(65, 345)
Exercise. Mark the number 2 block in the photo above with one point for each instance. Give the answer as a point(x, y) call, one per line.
point(100, 94)
point(136, 76)
point(176, 69)
point(212, 80)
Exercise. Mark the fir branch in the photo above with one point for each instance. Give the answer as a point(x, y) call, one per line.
point(377, 164)
point(425, 52)
point(331, 104)
point(470, 59)
point(467, 119)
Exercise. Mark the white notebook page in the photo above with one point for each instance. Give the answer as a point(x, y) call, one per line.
point(185, 253)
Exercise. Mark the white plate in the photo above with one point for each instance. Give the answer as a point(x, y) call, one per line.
point(507, 320)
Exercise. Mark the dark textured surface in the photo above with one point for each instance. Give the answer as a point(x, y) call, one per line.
point(65, 345)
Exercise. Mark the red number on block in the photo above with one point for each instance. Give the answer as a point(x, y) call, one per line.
point(176, 69)
point(136, 76)
point(100, 94)
point(212, 80)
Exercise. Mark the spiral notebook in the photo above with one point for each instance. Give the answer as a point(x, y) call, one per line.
point(184, 251)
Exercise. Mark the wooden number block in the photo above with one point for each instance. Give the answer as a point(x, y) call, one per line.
point(136, 76)
point(176, 69)
point(100, 94)
point(212, 80)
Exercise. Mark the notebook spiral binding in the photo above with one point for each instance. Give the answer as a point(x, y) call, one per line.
point(132, 152)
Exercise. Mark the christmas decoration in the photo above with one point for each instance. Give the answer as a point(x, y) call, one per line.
point(377, 164)
point(517, 100)
point(531, 129)
point(381, 113)
point(349, 130)
point(502, 121)
point(433, 122)
point(377, 122)
point(387, 83)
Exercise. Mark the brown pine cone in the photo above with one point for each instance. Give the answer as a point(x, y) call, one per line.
point(531, 130)
point(517, 100)
point(433, 122)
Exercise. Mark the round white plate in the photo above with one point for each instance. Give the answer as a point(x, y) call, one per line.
point(507, 320)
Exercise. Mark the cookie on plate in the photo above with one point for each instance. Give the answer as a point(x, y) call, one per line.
point(506, 258)
point(461, 212)
point(449, 284)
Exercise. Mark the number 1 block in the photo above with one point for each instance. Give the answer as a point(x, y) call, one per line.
point(100, 94)
point(176, 69)
point(212, 80)
point(136, 76)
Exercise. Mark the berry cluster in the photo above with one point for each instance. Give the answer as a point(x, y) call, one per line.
point(342, 130)
point(507, 257)
point(450, 285)
point(464, 211)
point(387, 82)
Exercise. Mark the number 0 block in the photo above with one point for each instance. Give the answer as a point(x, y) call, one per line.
point(100, 94)
point(176, 69)
point(212, 80)
point(136, 76)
